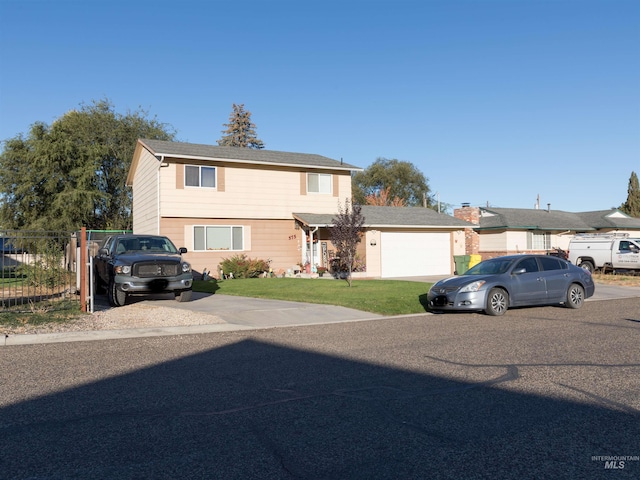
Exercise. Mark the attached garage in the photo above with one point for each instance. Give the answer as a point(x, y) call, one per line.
point(401, 241)
point(415, 254)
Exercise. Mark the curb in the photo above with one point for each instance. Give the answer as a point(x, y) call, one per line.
point(87, 336)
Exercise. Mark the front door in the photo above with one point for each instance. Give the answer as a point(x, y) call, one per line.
point(529, 286)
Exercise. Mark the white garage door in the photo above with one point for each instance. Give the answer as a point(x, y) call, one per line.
point(415, 254)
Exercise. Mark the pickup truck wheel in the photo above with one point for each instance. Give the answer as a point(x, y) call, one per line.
point(575, 296)
point(183, 296)
point(588, 266)
point(117, 298)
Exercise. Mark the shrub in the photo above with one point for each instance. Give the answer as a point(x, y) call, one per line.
point(46, 270)
point(243, 267)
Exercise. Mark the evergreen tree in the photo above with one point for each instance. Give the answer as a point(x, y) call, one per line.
point(72, 173)
point(346, 233)
point(632, 205)
point(241, 131)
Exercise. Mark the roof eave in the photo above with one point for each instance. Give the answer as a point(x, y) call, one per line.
point(252, 162)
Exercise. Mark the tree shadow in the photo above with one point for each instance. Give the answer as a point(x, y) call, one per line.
point(255, 409)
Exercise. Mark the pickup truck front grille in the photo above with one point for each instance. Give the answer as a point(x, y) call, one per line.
point(155, 269)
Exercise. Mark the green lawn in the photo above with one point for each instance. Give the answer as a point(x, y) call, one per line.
point(40, 313)
point(385, 297)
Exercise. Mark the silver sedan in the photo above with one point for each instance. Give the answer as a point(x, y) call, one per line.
point(495, 285)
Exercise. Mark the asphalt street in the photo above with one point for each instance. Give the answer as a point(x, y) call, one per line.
point(544, 392)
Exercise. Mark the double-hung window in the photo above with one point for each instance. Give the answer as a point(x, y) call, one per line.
point(219, 237)
point(318, 183)
point(199, 176)
point(538, 241)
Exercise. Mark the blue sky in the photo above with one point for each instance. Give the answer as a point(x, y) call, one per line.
point(494, 101)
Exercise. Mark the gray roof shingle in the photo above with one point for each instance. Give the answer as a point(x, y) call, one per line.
point(244, 155)
point(415, 217)
point(550, 220)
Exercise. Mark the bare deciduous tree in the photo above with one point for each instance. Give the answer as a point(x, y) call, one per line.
point(346, 234)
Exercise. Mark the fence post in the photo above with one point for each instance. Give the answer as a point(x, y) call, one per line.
point(83, 269)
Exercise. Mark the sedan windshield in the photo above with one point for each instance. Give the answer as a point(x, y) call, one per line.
point(495, 266)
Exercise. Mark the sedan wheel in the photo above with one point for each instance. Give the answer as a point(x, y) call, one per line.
point(575, 296)
point(497, 302)
point(117, 297)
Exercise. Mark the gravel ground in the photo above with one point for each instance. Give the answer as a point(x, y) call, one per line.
point(137, 315)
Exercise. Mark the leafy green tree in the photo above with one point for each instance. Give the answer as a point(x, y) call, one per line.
point(72, 173)
point(399, 179)
point(346, 234)
point(632, 205)
point(241, 131)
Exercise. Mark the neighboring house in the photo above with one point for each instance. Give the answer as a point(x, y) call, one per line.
point(223, 201)
point(503, 231)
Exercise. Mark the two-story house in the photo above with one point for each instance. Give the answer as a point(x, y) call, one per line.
point(222, 201)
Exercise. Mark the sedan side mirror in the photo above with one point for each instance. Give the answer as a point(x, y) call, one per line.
point(183, 250)
point(519, 271)
point(103, 252)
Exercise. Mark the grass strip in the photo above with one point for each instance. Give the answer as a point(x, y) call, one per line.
point(384, 297)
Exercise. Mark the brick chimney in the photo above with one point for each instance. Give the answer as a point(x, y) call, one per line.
point(471, 238)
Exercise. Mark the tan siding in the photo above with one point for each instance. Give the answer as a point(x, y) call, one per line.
point(303, 183)
point(220, 178)
point(373, 253)
point(277, 240)
point(336, 185)
point(145, 194)
point(180, 177)
point(248, 193)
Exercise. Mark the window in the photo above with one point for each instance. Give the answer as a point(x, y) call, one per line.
point(529, 264)
point(552, 263)
point(538, 241)
point(318, 183)
point(218, 238)
point(198, 176)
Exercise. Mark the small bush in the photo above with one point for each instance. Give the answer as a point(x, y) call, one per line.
point(242, 266)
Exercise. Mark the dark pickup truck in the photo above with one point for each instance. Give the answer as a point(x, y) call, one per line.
point(130, 264)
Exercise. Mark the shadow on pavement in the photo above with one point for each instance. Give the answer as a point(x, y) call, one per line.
point(253, 409)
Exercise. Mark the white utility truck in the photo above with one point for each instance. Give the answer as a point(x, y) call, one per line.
point(606, 251)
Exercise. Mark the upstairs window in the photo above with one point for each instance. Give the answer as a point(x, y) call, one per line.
point(318, 183)
point(199, 176)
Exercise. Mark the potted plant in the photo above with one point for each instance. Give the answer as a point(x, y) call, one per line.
point(321, 271)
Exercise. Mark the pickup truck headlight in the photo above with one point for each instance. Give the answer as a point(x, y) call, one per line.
point(123, 269)
point(186, 268)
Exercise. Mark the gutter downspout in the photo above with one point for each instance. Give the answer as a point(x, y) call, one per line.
point(162, 165)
